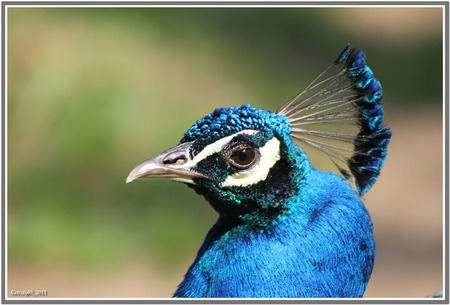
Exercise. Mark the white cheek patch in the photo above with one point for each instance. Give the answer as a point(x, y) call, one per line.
point(270, 154)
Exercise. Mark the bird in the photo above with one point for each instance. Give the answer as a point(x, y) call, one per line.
point(285, 229)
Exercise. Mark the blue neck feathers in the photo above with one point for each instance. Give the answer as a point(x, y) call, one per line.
point(319, 245)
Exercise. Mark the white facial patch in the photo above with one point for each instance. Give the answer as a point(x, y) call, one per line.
point(214, 148)
point(219, 145)
point(270, 154)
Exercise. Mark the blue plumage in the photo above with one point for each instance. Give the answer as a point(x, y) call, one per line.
point(285, 229)
point(280, 238)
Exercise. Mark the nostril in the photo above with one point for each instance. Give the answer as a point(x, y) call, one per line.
point(176, 158)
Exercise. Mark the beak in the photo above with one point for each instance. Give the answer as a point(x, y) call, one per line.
point(173, 164)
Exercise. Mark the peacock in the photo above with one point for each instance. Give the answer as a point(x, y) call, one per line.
point(285, 229)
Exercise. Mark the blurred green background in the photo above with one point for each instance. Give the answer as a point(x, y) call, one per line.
point(92, 92)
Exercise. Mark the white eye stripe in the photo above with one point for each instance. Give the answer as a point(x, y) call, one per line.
point(270, 154)
point(212, 149)
point(218, 146)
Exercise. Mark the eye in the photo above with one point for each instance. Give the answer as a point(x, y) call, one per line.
point(243, 157)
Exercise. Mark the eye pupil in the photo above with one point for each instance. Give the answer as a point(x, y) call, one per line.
point(243, 157)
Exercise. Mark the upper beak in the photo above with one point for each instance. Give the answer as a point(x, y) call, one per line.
point(173, 164)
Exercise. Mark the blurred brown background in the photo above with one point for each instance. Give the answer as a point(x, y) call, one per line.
point(94, 91)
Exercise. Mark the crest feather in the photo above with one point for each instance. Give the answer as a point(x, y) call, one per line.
point(340, 114)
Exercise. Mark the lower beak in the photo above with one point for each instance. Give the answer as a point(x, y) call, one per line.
point(173, 164)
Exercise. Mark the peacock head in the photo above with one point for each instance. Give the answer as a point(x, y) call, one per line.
point(244, 159)
point(241, 159)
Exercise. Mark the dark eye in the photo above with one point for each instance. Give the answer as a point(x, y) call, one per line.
point(243, 158)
